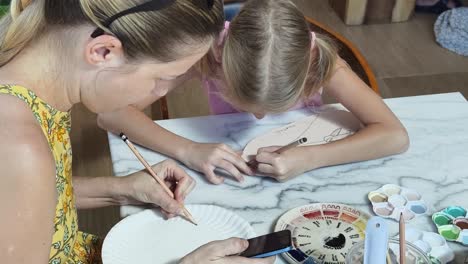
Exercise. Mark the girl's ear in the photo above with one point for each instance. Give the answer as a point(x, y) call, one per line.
point(104, 49)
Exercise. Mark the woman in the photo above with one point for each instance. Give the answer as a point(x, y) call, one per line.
point(104, 54)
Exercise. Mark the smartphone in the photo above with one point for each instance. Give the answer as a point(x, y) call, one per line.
point(269, 245)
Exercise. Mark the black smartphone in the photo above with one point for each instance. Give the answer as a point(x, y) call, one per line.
point(269, 245)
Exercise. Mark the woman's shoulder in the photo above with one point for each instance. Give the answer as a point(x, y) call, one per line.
point(20, 133)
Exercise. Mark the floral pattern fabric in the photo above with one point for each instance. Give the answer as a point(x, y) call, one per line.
point(69, 246)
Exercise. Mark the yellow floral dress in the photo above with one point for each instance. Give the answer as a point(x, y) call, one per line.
point(69, 246)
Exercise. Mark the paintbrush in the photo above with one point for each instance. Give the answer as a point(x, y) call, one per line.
point(186, 213)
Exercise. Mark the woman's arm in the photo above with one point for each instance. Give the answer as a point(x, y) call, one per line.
point(382, 135)
point(137, 188)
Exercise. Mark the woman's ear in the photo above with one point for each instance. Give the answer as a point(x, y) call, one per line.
point(103, 50)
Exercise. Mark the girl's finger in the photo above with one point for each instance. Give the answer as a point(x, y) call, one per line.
point(239, 162)
point(227, 166)
point(211, 176)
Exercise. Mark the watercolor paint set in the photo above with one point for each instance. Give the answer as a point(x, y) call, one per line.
point(452, 224)
point(390, 200)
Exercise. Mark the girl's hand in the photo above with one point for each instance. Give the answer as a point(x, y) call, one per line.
point(223, 252)
point(206, 157)
point(281, 167)
point(143, 188)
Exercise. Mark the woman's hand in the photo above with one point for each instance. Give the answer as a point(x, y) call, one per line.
point(223, 252)
point(205, 158)
point(143, 188)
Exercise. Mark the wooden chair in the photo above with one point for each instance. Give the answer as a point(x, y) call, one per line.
point(347, 51)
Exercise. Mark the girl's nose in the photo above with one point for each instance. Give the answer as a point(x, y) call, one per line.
point(259, 115)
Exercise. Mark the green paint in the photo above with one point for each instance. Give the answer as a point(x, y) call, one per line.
point(441, 219)
point(450, 232)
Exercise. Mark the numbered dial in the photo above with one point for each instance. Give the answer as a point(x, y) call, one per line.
point(327, 240)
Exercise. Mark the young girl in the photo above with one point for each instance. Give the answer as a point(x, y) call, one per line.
point(267, 61)
point(56, 53)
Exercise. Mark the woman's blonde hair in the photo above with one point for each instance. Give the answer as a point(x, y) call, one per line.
point(155, 34)
point(268, 60)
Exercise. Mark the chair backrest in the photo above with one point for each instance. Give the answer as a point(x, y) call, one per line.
point(347, 51)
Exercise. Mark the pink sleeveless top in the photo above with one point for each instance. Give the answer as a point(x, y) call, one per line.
point(213, 86)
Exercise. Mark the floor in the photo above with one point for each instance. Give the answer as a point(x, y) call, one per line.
point(404, 56)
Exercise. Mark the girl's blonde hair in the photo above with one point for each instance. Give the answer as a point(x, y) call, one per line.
point(155, 34)
point(268, 60)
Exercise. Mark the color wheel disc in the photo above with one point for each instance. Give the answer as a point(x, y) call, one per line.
point(323, 232)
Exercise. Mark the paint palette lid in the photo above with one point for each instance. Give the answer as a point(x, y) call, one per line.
point(432, 244)
point(323, 232)
point(452, 224)
point(147, 238)
point(390, 200)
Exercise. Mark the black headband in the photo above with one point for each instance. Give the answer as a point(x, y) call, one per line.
point(152, 5)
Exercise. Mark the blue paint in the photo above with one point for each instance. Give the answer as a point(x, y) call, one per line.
point(418, 208)
point(298, 255)
point(455, 211)
point(464, 237)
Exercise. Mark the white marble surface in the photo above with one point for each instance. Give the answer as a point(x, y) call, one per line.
point(436, 164)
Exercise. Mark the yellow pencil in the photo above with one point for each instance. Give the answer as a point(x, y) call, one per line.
point(186, 213)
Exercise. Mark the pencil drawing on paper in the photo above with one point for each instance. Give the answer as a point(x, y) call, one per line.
point(319, 128)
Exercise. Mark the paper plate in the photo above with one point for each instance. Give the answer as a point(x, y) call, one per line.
point(147, 238)
point(323, 232)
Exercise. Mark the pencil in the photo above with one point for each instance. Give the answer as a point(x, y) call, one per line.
point(402, 240)
point(283, 149)
point(292, 145)
point(186, 213)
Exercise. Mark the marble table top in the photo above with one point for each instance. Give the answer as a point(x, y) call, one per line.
point(436, 165)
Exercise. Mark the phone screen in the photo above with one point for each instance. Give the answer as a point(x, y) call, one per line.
point(269, 245)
